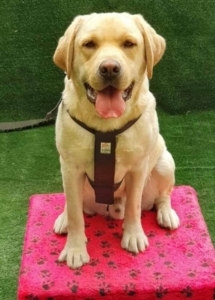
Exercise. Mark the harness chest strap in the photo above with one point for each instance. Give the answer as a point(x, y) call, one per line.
point(104, 161)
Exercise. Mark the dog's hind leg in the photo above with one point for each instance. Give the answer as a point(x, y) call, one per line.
point(162, 181)
point(61, 223)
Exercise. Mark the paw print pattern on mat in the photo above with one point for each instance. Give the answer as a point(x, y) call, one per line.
point(47, 284)
point(94, 262)
point(104, 289)
point(99, 233)
point(73, 286)
point(149, 263)
point(112, 265)
point(187, 292)
point(112, 270)
point(117, 235)
point(151, 234)
point(161, 292)
point(169, 264)
point(42, 261)
point(192, 273)
point(105, 244)
point(107, 253)
point(31, 297)
point(130, 289)
point(45, 273)
point(134, 273)
point(100, 275)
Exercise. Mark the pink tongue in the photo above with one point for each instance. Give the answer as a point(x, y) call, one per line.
point(109, 103)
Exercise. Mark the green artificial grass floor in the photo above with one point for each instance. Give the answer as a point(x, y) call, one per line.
point(29, 165)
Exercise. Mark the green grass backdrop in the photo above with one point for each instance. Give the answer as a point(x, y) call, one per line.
point(30, 85)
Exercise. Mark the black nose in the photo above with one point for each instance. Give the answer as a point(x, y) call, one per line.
point(109, 69)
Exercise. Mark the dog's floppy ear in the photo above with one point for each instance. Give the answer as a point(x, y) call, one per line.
point(63, 55)
point(155, 44)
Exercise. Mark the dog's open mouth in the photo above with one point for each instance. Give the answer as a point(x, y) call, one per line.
point(109, 102)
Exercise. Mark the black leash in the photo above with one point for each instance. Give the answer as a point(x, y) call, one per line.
point(22, 125)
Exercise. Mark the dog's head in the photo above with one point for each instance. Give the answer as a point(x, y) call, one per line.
point(107, 57)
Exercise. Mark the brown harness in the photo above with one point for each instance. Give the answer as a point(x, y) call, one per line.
point(104, 161)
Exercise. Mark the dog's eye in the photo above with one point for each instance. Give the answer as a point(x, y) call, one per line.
point(90, 44)
point(128, 44)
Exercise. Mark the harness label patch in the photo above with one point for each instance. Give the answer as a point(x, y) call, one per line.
point(105, 148)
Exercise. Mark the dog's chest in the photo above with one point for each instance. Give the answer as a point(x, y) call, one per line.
point(129, 151)
point(131, 147)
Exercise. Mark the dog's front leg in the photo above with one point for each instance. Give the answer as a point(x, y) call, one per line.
point(134, 239)
point(75, 251)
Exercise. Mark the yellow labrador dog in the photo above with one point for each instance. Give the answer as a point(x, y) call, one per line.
point(109, 59)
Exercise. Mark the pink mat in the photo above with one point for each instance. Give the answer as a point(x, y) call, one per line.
point(177, 265)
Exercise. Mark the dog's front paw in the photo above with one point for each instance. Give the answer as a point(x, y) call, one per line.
point(60, 225)
point(75, 256)
point(134, 239)
point(167, 217)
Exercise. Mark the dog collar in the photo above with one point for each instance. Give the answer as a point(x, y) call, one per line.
point(104, 161)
